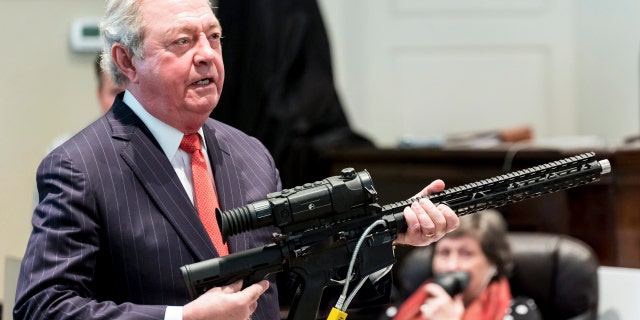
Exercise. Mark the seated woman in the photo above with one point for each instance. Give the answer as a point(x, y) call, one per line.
point(478, 247)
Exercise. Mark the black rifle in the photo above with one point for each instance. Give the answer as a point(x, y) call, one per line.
point(322, 222)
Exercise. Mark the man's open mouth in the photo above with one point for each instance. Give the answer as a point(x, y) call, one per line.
point(203, 82)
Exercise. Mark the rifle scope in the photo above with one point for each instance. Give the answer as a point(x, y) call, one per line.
point(307, 206)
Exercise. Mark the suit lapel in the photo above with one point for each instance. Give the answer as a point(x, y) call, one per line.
point(229, 183)
point(155, 172)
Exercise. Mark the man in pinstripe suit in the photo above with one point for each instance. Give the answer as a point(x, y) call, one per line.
point(116, 218)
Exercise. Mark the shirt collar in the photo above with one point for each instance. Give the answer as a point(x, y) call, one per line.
point(167, 136)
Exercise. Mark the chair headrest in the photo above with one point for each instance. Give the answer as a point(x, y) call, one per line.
point(559, 272)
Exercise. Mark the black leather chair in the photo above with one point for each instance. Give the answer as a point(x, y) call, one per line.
point(560, 273)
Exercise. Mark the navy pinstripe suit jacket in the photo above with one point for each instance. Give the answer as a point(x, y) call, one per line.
point(114, 224)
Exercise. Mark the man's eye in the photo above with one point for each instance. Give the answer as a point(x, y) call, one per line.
point(216, 36)
point(182, 41)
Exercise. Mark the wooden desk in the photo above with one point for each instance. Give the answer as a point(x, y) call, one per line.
point(604, 214)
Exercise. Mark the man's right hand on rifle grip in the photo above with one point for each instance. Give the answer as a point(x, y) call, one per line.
point(227, 302)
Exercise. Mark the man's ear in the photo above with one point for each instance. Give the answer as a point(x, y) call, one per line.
point(123, 58)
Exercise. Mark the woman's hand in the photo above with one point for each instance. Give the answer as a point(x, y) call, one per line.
point(440, 306)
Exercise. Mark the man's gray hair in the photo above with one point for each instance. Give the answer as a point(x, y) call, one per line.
point(123, 24)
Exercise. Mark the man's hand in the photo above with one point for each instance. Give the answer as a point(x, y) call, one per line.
point(228, 302)
point(427, 223)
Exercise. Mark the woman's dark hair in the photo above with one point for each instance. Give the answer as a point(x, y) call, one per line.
point(490, 229)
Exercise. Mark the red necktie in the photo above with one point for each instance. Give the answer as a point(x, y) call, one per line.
point(205, 195)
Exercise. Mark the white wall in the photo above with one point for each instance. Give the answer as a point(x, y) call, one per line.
point(430, 67)
point(608, 56)
point(11, 273)
point(619, 293)
point(45, 91)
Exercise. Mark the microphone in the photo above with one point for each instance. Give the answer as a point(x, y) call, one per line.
point(453, 282)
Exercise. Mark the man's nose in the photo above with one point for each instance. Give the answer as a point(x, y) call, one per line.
point(205, 52)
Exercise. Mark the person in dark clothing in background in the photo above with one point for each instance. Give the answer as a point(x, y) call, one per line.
point(279, 86)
